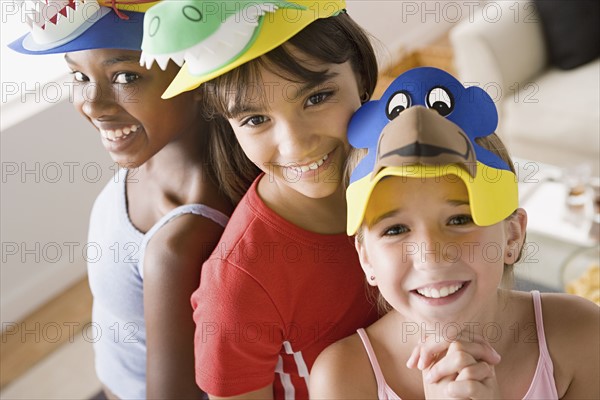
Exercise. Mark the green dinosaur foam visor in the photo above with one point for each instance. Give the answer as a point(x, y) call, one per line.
point(210, 38)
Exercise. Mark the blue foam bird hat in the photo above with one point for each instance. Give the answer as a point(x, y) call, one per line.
point(425, 126)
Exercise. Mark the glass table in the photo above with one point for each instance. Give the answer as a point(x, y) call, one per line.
point(556, 230)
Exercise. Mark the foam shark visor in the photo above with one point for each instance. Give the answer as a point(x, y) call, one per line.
point(62, 26)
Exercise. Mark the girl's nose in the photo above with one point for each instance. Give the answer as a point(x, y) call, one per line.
point(431, 251)
point(96, 101)
point(296, 141)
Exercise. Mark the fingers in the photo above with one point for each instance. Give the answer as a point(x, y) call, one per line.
point(427, 353)
point(451, 364)
point(424, 354)
point(476, 390)
point(461, 369)
point(476, 372)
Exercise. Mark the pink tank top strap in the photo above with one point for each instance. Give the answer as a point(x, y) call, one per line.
point(381, 384)
point(539, 322)
point(543, 385)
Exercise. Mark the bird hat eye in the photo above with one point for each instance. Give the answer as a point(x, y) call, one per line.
point(397, 103)
point(441, 100)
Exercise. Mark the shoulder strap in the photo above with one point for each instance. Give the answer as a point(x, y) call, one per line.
point(197, 209)
point(543, 385)
point(539, 322)
point(374, 363)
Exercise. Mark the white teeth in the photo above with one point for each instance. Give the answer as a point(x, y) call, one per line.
point(438, 293)
point(312, 166)
point(118, 133)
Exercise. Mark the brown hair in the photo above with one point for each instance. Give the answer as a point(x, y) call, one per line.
point(333, 40)
point(492, 143)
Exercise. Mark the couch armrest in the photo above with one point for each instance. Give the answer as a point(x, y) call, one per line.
point(502, 45)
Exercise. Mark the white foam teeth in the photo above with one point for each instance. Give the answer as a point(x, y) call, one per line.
point(146, 60)
point(51, 21)
point(178, 58)
point(48, 11)
point(162, 62)
point(209, 54)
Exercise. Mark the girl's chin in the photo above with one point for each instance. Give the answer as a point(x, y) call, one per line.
point(315, 191)
point(128, 164)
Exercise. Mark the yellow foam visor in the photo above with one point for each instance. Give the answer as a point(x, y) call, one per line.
point(493, 193)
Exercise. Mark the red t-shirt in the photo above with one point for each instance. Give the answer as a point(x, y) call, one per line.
point(272, 296)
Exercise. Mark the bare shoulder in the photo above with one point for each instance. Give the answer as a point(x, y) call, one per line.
point(570, 322)
point(572, 330)
point(341, 371)
point(568, 312)
point(183, 243)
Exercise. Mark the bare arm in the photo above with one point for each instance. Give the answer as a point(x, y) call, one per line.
point(172, 267)
point(343, 371)
point(265, 393)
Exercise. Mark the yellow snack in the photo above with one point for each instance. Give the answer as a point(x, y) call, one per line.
point(587, 285)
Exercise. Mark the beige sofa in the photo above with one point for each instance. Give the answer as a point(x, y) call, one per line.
point(546, 114)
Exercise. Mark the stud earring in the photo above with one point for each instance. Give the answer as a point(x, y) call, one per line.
point(372, 277)
point(509, 254)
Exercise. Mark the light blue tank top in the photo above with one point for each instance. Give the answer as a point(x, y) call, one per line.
point(115, 252)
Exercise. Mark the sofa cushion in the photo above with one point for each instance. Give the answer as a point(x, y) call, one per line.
point(559, 112)
point(571, 31)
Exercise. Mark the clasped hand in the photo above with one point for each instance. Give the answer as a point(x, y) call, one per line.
point(460, 369)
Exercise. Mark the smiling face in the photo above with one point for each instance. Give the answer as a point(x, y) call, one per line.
point(296, 132)
point(429, 260)
point(122, 100)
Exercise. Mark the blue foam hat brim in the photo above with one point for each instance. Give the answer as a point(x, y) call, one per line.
point(108, 31)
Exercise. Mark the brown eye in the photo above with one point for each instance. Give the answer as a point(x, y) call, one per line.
point(318, 98)
point(255, 120)
point(460, 220)
point(395, 230)
point(126, 77)
point(79, 77)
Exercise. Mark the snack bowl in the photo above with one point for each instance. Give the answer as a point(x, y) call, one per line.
point(581, 273)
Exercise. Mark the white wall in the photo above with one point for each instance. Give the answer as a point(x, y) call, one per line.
point(43, 213)
point(401, 24)
point(53, 166)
